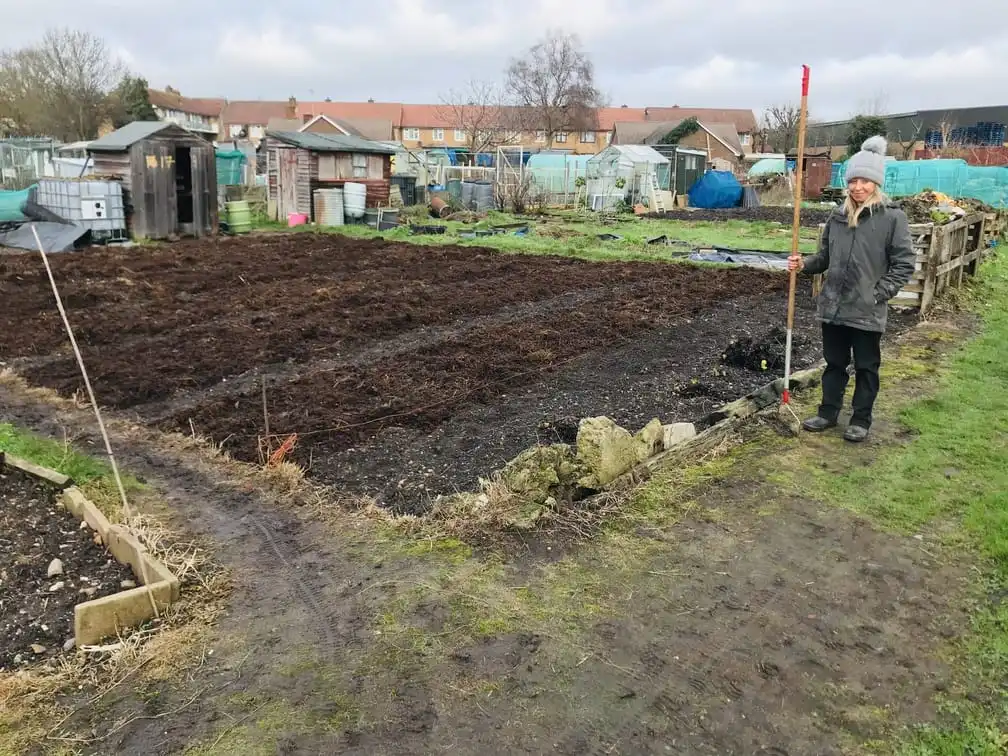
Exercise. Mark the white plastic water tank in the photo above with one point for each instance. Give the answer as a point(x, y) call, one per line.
point(329, 207)
point(354, 197)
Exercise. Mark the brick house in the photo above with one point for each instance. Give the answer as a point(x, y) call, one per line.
point(197, 114)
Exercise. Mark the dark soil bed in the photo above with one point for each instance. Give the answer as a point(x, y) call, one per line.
point(406, 371)
point(810, 217)
point(37, 611)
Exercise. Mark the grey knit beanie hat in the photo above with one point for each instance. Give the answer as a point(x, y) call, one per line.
point(869, 163)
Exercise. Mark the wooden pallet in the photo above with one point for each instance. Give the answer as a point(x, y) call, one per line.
point(944, 254)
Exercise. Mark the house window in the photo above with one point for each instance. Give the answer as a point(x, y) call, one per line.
point(234, 130)
point(460, 135)
point(359, 165)
point(743, 139)
point(608, 137)
point(411, 134)
point(541, 137)
point(561, 137)
point(587, 137)
point(438, 135)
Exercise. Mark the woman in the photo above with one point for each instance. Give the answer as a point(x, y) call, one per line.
point(867, 255)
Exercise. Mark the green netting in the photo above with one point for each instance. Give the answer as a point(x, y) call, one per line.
point(952, 177)
point(988, 185)
point(229, 167)
point(10, 205)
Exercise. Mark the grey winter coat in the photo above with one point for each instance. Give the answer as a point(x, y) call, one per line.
point(865, 266)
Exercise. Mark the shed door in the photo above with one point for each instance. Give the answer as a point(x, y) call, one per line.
point(287, 178)
point(154, 181)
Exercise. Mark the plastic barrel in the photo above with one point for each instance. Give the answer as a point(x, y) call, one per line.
point(354, 198)
point(239, 216)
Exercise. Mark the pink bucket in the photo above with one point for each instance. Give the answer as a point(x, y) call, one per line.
point(296, 219)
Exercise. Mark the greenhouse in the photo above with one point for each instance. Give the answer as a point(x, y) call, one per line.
point(624, 173)
point(557, 175)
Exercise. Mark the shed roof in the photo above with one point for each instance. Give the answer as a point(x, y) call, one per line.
point(125, 137)
point(313, 142)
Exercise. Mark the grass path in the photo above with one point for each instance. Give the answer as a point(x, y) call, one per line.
point(569, 236)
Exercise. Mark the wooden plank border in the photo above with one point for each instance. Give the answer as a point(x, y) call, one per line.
point(108, 616)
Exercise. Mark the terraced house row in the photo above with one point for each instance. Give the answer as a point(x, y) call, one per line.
point(726, 130)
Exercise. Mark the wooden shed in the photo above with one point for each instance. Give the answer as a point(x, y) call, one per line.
point(818, 170)
point(168, 175)
point(298, 163)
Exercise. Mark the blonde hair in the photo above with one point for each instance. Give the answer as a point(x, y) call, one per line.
point(853, 210)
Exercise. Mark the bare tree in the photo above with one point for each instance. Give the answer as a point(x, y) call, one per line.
point(780, 127)
point(59, 87)
point(478, 111)
point(553, 86)
point(877, 104)
point(906, 137)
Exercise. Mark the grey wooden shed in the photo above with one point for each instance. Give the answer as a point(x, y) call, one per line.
point(168, 175)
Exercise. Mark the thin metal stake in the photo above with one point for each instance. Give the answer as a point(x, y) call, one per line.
point(127, 511)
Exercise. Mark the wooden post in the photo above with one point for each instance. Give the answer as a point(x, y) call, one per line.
point(930, 273)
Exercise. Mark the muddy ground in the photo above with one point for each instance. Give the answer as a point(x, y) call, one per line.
point(36, 609)
point(406, 371)
point(754, 621)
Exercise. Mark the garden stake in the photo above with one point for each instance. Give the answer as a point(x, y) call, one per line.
point(789, 416)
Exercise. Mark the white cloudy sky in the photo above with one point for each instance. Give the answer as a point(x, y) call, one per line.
point(911, 53)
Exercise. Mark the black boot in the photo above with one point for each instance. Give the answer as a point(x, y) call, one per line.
point(855, 434)
point(817, 424)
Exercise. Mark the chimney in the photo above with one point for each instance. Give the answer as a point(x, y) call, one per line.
point(292, 107)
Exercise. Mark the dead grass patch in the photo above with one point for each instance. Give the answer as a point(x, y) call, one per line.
point(41, 706)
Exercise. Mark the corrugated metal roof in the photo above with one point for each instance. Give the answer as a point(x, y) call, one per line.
point(128, 135)
point(308, 140)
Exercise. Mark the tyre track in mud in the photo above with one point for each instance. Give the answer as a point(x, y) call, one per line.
point(270, 548)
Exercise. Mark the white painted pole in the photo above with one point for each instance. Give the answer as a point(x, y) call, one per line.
point(127, 511)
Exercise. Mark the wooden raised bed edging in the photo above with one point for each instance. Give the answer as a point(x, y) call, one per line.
point(944, 253)
point(725, 420)
point(105, 617)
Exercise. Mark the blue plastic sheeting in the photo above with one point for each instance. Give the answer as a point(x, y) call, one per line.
point(11, 204)
point(716, 190)
point(765, 260)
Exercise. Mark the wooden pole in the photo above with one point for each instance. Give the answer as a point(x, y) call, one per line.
point(795, 225)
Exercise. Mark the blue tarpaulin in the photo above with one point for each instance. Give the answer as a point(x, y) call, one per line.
point(716, 190)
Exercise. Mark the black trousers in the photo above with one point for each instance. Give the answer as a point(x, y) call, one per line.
point(839, 342)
